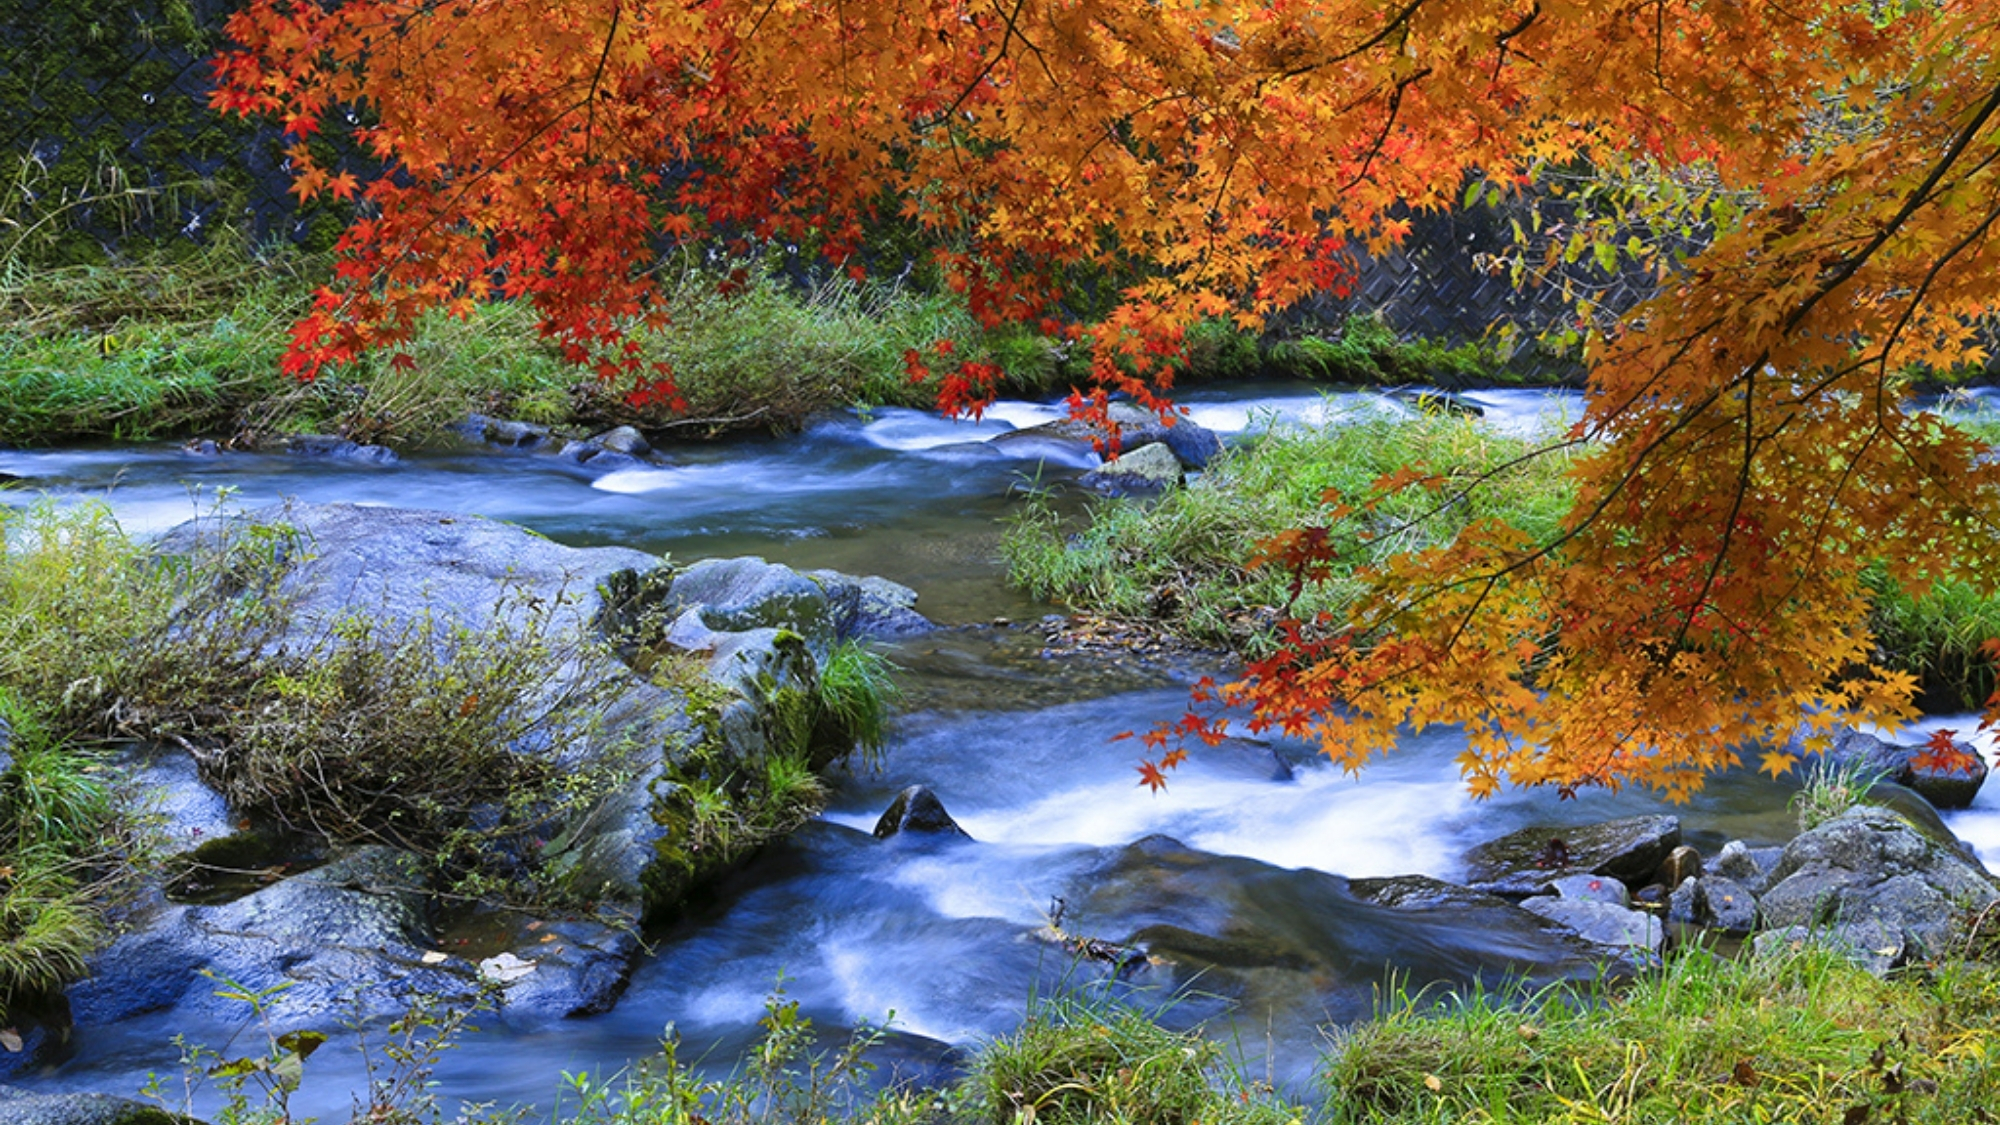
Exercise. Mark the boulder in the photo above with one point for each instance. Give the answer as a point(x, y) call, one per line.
point(1146, 468)
point(1526, 862)
point(347, 937)
point(916, 809)
point(505, 432)
point(1192, 445)
point(1714, 902)
point(870, 606)
point(749, 593)
point(1747, 867)
point(1882, 760)
point(1872, 880)
point(623, 439)
point(597, 457)
point(337, 449)
point(1634, 933)
point(573, 968)
point(20, 1107)
point(1593, 888)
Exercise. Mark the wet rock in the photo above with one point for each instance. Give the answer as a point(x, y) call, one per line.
point(1526, 862)
point(1070, 441)
point(574, 968)
point(502, 431)
point(597, 457)
point(623, 439)
point(1307, 937)
point(1635, 933)
point(1725, 905)
point(749, 593)
point(177, 807)
point(1592, 888)
point(1748, 867)
point(19, 1107)
point(338, 449)
point(1681, 864)
point(1922, 815)
point(870, 606)
point(916, 809)
point(1949, 787)
point(1146, 468)
point(193, 447)
point(349, 935)
point(1869, 870)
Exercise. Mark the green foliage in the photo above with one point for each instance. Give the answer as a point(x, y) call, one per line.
point(751, 349)
point(1368, 352)
point(1078, 1061)
point(858, 695)
point(61, 840)
point(1830, 789)
point(787, 1077)
point(407, 735)
point(1937, 638)
point(1804, 1036)
point(1181, 560)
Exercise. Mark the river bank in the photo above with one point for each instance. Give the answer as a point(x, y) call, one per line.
point(1016, 742)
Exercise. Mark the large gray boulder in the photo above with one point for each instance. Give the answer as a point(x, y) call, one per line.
point(1147, 468)
point(1869, 880)
point(350, 936)
point(1530, 861)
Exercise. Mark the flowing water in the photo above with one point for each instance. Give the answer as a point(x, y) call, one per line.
point(1019, 745)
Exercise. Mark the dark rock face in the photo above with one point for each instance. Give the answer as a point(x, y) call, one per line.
point(1528, 861)
point(1872, 881)
point(18, 1107)
point(1237, 925)
point(352, 931)
point(918, 810)
point(571, 969)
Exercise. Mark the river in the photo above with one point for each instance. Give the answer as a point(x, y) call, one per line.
point(1017, 744)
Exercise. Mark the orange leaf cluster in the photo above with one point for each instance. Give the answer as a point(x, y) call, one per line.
point(1747, 450)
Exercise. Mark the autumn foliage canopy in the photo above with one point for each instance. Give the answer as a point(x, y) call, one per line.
point(1745, 457)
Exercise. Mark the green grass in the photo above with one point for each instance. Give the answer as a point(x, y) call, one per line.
point(1180, 560)
point(63, 844)
point(173, 346)
point(858, 695)
point(1801, 1037)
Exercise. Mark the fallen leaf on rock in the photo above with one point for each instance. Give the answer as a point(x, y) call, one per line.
point(10, 1039)
point(505, 968)
point(436, 958)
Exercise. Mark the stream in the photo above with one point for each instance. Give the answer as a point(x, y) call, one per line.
point(1018, 745)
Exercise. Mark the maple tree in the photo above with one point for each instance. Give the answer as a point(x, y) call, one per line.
point(1745, 455)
